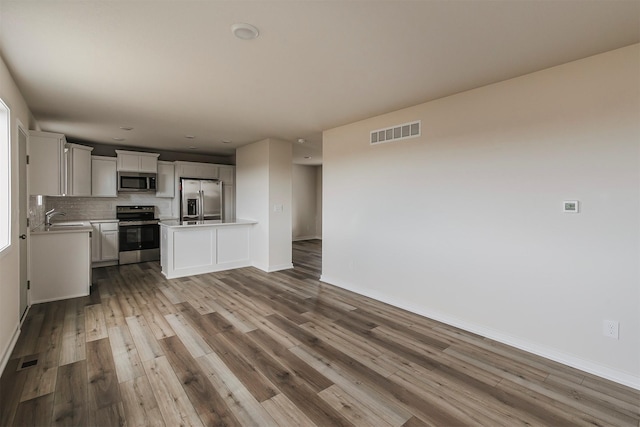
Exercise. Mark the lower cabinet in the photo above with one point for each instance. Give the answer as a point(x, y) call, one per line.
point(104, 243)
point(60, 266)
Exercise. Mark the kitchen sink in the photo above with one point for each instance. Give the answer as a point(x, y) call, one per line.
point(68, 224)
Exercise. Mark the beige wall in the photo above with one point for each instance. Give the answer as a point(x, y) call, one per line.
point(306, 197)
point(465, 223)
point(263, 182)
point(10, 258)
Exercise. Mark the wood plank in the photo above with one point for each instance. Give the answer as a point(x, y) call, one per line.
point(35, 412)
point(209, 405)
point(113, 314)
point(108, 416)
point(95, 323)
point(28, 340)
point(196, 345)
point(315, 380)
point(368, 376)
point(72, 347)
point(172, 400)
point(146, 344)
point(382, 405)
point(41, 379)
point(285, 413)
point(287, 381)
point(258, 385)
point(156, 322)
point(350, 407)
point(125, 354)
point(103, 388)
point(70, 400)
point(237, 397)
point(140, 406)
point(11, 385)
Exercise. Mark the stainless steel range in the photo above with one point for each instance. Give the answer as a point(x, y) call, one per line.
point(139, 234)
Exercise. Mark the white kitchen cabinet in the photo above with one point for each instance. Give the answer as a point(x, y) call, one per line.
point(135, 161)
point(60, 265)
point(104, 179)
point(104, 243)
point(196, 170)
point(78, 170)
point(166, 179)
point(226, 174)
point(46, 172)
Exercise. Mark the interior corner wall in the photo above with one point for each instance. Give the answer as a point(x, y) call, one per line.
point(263, 183)
point(10, 258)
point(305, 200)
point(319, 202)
point(465, 223)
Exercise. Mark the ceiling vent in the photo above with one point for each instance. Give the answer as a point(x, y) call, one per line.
point(396, 133)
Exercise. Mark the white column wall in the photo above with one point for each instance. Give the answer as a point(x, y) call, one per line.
point(263, 194)
point(465, 223)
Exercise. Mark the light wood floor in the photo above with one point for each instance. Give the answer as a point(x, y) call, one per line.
point(256, 349)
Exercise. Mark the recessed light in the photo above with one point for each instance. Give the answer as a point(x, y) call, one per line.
point(126, 128)
point(118, 139)
point(190, 137)
point(226, 141)
point(244, 31)
point(301, 140)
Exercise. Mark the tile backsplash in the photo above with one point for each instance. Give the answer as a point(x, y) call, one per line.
point(85, 208)
point(36, 211)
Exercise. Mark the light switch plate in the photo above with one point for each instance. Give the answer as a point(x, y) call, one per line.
point(571, 206)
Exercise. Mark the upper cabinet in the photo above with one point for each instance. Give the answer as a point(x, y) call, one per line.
point(104, 179)
point(57, 168)
point(46, 163)
point(226, 174)
point(165, 179)
point(78, 170)
point(196, 170)
point(134, 161)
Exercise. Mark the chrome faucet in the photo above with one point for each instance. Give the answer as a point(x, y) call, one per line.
point(50, 214)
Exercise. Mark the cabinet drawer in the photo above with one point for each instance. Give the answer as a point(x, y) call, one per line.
point(109, 226)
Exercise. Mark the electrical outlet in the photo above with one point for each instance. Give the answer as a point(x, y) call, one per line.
point(611, 328)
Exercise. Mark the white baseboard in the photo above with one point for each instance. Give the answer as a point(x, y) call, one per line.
point(7, 351)
point(280, 267)
point(546, 352)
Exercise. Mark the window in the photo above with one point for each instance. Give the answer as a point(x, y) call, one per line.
point(5, 177)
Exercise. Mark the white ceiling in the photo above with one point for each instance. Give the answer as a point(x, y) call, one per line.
point(173, 68)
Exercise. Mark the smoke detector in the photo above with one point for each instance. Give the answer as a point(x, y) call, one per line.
point(245, 31)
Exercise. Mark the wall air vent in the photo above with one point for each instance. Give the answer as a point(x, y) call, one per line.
point(396, 133)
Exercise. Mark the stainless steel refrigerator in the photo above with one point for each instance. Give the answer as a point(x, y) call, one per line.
point(200, 199)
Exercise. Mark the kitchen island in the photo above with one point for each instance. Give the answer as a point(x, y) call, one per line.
point(198, 247)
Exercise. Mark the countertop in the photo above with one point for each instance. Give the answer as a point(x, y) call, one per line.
point(64, 227)
point(176, 223)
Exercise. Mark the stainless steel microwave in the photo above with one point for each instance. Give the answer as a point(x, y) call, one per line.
point(136, 182)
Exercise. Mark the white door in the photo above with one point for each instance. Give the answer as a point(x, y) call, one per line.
point(23, 215)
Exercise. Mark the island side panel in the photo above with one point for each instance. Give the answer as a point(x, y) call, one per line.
point(233, 247)
point(61, 266)
point(188, 250)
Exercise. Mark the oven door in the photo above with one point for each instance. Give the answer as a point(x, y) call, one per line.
point(139, 237)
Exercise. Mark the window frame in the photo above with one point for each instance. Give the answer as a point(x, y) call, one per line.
point(5, 178)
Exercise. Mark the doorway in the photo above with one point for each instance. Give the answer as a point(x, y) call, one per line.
point(23, 215)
